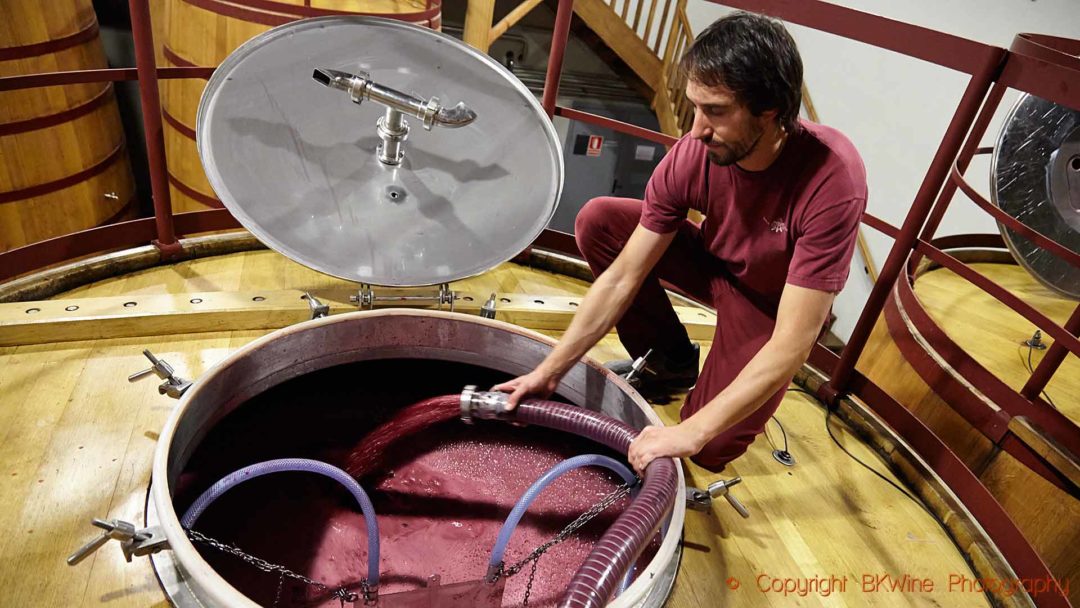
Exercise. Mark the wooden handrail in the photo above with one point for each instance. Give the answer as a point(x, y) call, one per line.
point(512, 18)
point(670, 33)
point(671, 99)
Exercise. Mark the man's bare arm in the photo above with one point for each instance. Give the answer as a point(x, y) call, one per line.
point(604, 304)
point(799, 320)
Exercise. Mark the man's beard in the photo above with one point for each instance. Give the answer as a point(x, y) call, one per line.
point(728, 154)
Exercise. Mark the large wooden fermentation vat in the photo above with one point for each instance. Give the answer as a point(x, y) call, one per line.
point(203, 33)
point(201, 305)
point(932, 340)
point(80, 439)
point(64, 164)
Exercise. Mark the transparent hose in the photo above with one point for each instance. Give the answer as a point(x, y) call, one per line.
point(543, 482)
point(295, 464)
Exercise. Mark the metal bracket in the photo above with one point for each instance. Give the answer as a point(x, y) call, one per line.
point(784, 457)
point(701, 500)
point(638, 366)
point(366, 298)
point(488, 309)
point(173, 385)
point(133, 542)
point(1035, 341)
point(318, 309)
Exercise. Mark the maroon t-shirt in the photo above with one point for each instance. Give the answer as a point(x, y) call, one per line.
point(795, 222)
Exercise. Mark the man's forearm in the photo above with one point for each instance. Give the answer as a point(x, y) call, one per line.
point(770, 369)
point(603, 305)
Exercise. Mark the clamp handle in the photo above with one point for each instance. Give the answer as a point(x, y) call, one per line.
point(113, 529)
point(487, 311)
point(173, 385)
point(723, 488)
point(639, 365)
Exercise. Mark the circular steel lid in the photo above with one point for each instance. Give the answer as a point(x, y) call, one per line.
point(1035, 178)
point(296, 161)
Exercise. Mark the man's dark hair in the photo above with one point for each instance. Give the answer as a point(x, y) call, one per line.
point(756, 58)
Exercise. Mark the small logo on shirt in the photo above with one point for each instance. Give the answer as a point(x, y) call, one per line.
point(777, 226)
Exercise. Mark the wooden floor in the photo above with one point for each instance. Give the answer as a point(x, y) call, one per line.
point(993, 333)
point(77, 441)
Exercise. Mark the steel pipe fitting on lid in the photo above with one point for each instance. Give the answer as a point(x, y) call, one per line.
point(392, 128)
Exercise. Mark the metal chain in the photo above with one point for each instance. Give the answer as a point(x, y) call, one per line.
point(570, 528)
point(343, 594)
point(280, 585)
point(351, 597)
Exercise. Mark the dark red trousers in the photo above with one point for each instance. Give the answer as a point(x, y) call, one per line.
point(602, 228)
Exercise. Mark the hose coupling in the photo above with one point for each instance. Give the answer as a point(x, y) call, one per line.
point(370, 594)
point(485, 405)
point(494, 572)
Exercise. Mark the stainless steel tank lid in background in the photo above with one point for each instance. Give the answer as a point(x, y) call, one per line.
point(295, 162)
point(1035, 178)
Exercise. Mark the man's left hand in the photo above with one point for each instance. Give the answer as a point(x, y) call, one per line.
point(661, 442)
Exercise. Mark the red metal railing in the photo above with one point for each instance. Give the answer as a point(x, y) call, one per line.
point(1042, 65)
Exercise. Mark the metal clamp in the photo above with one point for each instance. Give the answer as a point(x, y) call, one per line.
point(173, 385)
point(485, 405)
point(488, 309)
point(1035, 341)
point(318, 309)
point(639, 365)
point(366, 298)
point(701, 500)
point(134, 543)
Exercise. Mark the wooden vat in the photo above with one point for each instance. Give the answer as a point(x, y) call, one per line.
point(922, 352)
point(204, 33)
point(65, 167)
point(79, 441)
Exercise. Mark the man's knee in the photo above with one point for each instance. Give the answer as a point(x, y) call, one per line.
point(720, 451)
point(591, 220)
point(734, 442)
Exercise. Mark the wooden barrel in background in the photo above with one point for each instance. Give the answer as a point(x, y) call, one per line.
point(63, 162)
point(203, 33)
point(908, 356)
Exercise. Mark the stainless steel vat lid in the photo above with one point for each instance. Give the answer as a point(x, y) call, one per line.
point(1035, 178)
point(295, 161)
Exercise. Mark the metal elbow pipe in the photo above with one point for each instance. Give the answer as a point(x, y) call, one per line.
point(455, 117)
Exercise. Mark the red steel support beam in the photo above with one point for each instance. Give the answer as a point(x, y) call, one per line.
point(937, 174)
point(48, 79)
point(1045, 66)
point(966, 154)
point(146, 65)
point(559, 37)
point(615, 125)
point(936, 47)
point(1050, 363)
point(133, 233)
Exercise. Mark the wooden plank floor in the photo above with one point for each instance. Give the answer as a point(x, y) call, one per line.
point(77, 441)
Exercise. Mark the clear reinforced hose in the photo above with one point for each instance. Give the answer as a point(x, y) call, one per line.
point(596, 581)
point(539, 485)
point(303, 465)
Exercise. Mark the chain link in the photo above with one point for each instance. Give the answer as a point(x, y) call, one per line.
point(343, 594)
point(347, 596)
point(574, 526)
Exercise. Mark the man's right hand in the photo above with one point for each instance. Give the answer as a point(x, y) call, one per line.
point(537, 383)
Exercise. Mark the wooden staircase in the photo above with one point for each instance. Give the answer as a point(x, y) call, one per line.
point(627, 27)
point(649, 36)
